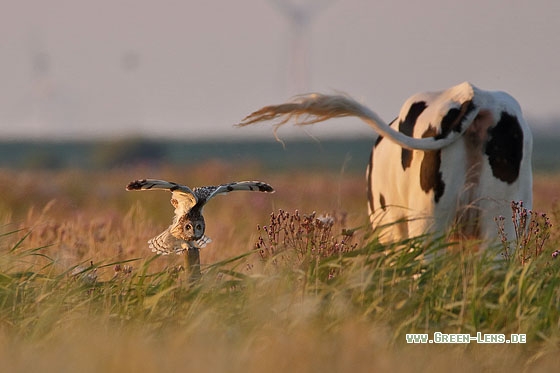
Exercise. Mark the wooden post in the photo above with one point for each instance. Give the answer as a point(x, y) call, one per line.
point(192, 264)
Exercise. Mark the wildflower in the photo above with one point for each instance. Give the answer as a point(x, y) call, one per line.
point(532, 230)
point(88, 275)
point(310, 237)
point(325, 219)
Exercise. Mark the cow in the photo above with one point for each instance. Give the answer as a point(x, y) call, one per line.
point(449, 164)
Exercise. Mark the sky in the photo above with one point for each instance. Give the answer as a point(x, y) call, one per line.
point(191, 69)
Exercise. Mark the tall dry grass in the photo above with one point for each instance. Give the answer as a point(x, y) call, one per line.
point(80, 291)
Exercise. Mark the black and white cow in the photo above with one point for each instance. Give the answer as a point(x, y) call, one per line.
point(448, 164)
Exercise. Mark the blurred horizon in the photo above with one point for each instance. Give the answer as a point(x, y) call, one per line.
point(190, 70)
point(303, 154)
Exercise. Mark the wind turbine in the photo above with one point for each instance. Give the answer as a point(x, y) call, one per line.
point(300, 14)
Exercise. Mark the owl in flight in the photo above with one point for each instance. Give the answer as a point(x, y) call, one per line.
point(187, 229)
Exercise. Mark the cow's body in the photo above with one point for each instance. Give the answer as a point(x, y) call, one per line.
point(462, 186)
point(450, 162)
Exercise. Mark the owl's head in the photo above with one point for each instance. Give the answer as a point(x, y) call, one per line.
point(194, 229)
point(190, 227)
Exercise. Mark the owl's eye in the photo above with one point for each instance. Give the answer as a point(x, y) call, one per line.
point(198, 227)
point(188, 227)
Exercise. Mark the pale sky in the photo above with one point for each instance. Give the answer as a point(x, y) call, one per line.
point(190, 69)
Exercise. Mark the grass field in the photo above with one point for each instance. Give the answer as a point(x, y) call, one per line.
point(80, 290)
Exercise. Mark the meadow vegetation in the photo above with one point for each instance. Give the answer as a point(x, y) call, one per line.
point(294, 281)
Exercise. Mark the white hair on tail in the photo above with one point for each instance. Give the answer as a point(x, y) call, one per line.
point(317, 107)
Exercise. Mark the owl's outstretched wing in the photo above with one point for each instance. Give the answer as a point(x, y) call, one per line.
point(208, 192)
point(183, 196)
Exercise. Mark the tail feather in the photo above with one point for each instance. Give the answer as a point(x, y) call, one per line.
point(165, 243)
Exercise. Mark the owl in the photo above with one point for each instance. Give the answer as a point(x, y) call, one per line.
point(187, 229)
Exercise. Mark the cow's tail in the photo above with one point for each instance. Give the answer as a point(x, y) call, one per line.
point(316, 107)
